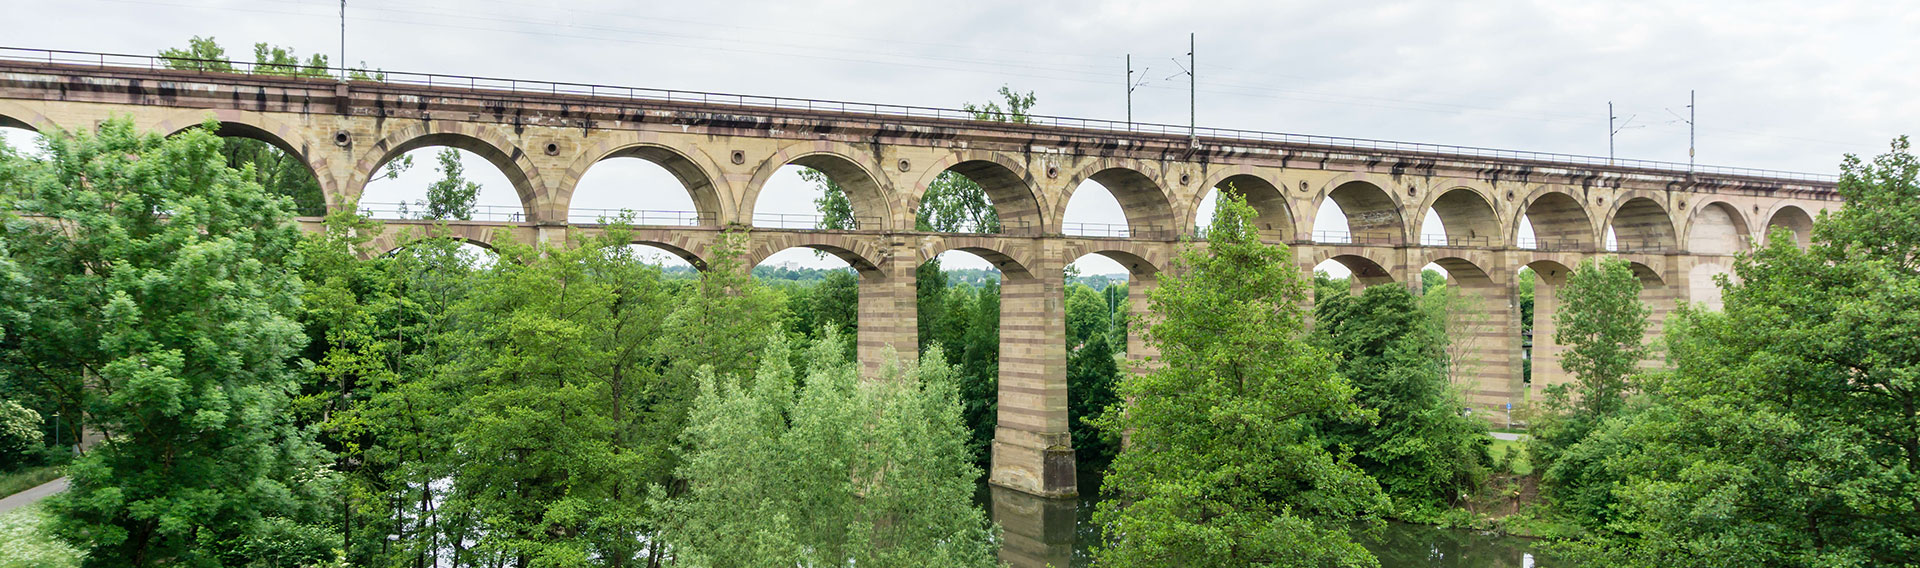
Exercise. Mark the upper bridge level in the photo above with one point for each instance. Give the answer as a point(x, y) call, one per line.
point(544, 136)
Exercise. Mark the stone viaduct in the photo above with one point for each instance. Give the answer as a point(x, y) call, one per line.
point(1678, 228)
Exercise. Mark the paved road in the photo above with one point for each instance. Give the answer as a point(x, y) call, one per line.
point(1508, 436)
point(30, 496)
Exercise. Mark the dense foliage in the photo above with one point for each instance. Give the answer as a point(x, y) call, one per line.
point(1785, 434)
point(827, 469)
point(1224, 466)
point(1424, 452)
point(162, 299)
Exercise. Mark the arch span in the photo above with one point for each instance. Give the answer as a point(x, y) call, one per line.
point(1373, 214)
point(1793, 219)
point(1009, 186)
point(1148, 209)
point(1366, 271)
point(857, 253)
point(264, 129)
point(16, 115)
point(1558, 221)
point(1641, 224)
point(694, 170)
point(1275, 217)
point(1468, 218)
point(495, 149)
point(1717, 228)
point(846, 167)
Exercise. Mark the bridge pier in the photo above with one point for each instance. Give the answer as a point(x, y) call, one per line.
point(1032, 447)
point(888, 315)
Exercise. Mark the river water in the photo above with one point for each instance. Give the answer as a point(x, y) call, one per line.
point(1037, 532)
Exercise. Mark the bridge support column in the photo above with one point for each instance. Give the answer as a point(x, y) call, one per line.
point(1484, 348)
point(1032, 449)
point(1545, 356)
point(888, 315)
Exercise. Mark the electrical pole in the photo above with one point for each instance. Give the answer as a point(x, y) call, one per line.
point(1193, 137)
point(1612, 130)
point(1129, 92)
point(343, 40)
point(1690, 130)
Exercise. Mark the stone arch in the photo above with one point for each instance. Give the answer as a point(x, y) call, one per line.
point(261, 127)
point(481, 141)
point(1137, 261)
point(482, 236)
point(1794, 219)
point(1468, 216)
point(1148, 207)
point(1467, 269)
point(1275, 221)
point(1549, 271)
point(854, 171)
point(16, 115)
point(697, 172)
point(1717, 227)
point(1012, 265)
point(1366, 271)
point(1373, 213)
point(1649, 277)
point(1641, 223)
point(857, 253)
point(1010, 186)
point(1558, 219)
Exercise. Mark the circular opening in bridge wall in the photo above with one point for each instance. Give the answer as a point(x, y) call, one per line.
point(641, 191)
point(401, 188)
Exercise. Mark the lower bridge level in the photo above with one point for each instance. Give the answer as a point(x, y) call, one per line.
point(1032, 449)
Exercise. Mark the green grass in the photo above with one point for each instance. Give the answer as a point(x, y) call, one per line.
point(28, 543)
point(1521, 466)
point(29, 478)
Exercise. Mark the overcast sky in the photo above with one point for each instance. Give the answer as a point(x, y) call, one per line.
point(1781, 85)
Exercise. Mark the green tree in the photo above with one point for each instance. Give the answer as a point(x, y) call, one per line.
point(167, 286)
point(1092, 373)
point(1786, 433)
point(1421, 449)
point(278, 170)
point(452, 196)
point(838, 471)
point(19, 435)
point(557, 350)
point(1224, 467)
point(1603, 323)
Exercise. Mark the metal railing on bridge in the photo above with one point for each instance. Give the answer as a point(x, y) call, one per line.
point(1348, 238)
point(643, 94)
point(1452, 241)
point(643, 217)
point(812, 222)
point(1112, 230)
point(419, 210)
